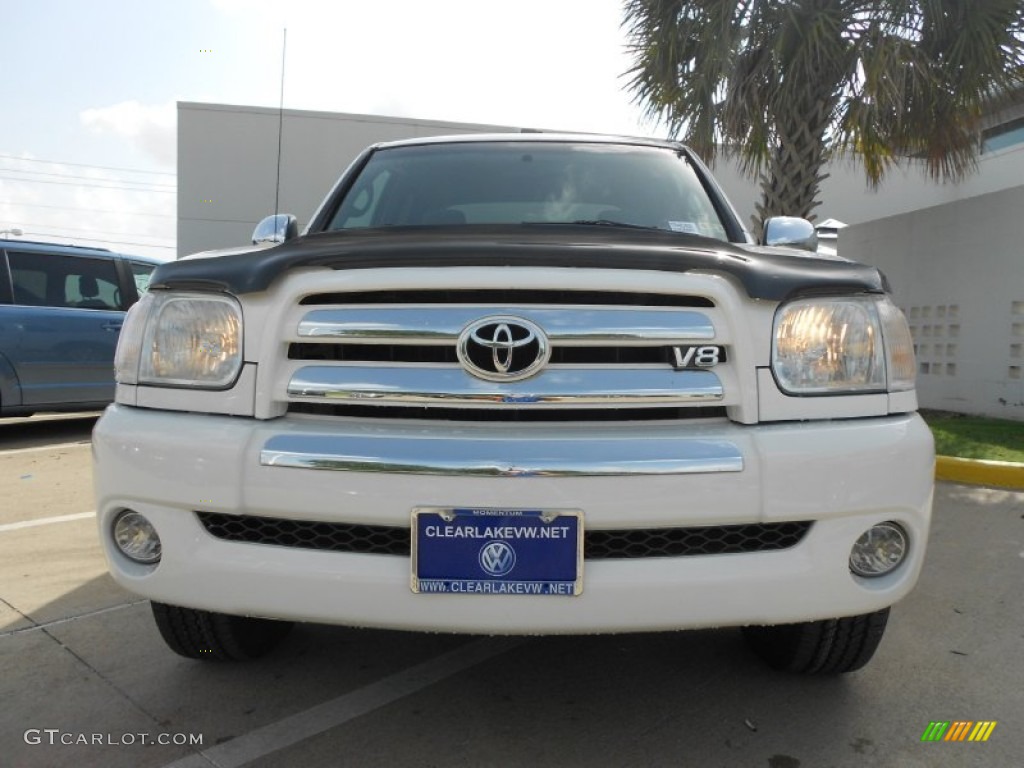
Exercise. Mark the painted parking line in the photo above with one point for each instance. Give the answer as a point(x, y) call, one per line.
point(41, 417)
point(40, 448)
point(64, 620)
point(291, 730)
point(45, 521)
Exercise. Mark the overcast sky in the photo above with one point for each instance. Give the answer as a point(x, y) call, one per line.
point(95, 83)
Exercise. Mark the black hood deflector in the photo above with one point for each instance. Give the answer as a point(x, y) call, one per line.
point(766, 273)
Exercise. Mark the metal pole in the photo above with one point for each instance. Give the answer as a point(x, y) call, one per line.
point(280, 125)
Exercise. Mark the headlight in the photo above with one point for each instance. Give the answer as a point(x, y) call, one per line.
point(181, 339)
point(899, 348)
point(129, 343)
point(842, 346)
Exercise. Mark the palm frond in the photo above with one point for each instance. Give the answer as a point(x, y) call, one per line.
point(883, 80)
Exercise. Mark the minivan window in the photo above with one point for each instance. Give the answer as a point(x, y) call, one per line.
point(54, 280)
point(141, 273)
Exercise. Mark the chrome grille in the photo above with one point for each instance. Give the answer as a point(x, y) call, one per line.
point(613, 352)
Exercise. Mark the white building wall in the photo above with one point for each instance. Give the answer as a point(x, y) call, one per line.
point(954, 254)
point(227, 155)
point(957, 271)
point(847, 197)
point(227, 164)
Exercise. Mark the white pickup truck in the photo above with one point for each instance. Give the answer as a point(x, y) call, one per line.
point(519, 384)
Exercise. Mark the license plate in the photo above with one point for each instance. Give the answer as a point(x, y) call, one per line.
point(497, 551)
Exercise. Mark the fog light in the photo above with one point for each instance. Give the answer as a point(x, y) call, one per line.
point(879, 550)
point(136, 537)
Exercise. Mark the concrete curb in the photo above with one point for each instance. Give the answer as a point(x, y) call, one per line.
point(996, 474)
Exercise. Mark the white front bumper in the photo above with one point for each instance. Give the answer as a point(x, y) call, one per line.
point(845, 476)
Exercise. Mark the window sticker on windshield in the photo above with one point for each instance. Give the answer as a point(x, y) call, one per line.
point(684, 226)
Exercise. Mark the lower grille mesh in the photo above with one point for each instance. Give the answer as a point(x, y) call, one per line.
point(598, 544)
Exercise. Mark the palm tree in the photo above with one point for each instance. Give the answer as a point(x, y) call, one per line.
point(789, 84)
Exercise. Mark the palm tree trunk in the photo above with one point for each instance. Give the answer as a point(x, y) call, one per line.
point(792, 176)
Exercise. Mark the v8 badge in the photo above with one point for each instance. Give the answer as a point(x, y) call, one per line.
point(689, 358)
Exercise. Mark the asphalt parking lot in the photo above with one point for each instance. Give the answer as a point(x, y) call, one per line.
point(81, 661)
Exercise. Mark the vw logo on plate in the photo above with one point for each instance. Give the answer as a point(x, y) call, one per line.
point(497, 558)
point(503, 348)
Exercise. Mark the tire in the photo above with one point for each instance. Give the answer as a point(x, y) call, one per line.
point(828, 647)
point(210, 636)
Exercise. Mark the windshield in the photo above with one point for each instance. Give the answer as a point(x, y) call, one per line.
point(529, 183)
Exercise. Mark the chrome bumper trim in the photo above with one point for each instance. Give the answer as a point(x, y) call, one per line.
point(436, 325)
point(502, 458)
point(450, 386)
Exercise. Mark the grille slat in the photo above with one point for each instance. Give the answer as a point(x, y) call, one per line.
point(509, 296)
point(447, 386)
point(442, 324)
point(411, 353)
point(512, 415)
point(598, 544)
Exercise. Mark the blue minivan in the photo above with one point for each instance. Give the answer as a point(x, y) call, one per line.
point(61, 310)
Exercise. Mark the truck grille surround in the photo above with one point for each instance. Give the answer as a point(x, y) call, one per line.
point(420, 354)
point(598, 544)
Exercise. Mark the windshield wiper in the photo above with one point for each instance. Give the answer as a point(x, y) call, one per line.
point(594, 223)
point(611, 223)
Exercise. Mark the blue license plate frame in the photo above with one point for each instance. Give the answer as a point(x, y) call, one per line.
point(494, 551)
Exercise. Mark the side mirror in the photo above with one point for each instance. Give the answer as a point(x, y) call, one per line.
point(276, 229)
point(791, 232)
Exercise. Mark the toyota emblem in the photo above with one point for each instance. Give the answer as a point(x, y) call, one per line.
point(503, 348)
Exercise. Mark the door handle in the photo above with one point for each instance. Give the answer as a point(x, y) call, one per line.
point(111, 326)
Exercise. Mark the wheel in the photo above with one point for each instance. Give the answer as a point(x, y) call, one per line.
point(827, 647)
point(197, 634)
